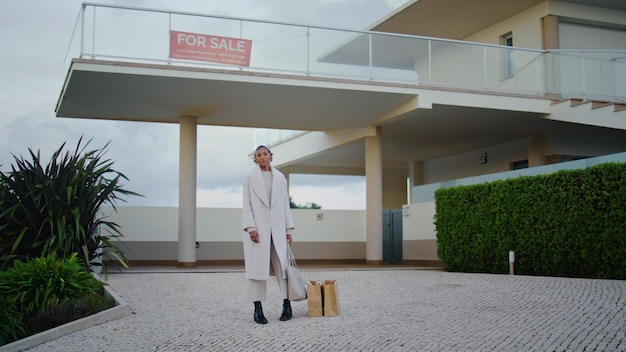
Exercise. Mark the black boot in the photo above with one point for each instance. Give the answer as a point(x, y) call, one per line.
point(258, 313)
point(286, 310)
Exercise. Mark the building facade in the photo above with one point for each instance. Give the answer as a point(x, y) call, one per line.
point(436, 92)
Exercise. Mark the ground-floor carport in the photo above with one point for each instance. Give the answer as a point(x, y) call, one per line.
point(113, 90)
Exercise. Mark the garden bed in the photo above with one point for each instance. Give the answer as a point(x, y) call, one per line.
point(121, 309)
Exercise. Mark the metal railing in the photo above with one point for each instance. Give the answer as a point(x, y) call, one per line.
point(143, 35)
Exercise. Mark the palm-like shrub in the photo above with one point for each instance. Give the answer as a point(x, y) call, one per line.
point(45, 282)
point(54, 209)
point(46, 292)
point(11, 326)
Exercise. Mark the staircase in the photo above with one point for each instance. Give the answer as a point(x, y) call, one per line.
point(594, 113)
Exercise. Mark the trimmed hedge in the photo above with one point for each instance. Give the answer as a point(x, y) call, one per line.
point(571, 223)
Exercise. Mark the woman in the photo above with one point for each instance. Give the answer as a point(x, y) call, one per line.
point(267, 225)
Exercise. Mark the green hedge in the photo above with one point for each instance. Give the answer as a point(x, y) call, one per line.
point(571, 223)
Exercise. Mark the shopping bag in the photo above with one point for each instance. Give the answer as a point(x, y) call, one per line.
point(314, 298)
point(296, 286)
point(331, 298)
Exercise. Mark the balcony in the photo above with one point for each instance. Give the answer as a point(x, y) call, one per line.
point(143, 35)
point(138, 35)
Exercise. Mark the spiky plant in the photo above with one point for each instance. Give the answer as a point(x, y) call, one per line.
point(54, 209)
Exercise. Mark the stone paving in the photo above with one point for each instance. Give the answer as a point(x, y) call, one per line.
point(381, 310)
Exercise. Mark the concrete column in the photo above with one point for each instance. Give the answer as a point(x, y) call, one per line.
point(288, 185)
point(416, 173)
point(550, 26)
point(187, 192)
point(374, 199)
point(550, 36)
point(536, 150)
point(416, 177)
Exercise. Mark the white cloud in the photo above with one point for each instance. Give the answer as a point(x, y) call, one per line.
point(347, 195)
point(223, 197)
point(35, 35)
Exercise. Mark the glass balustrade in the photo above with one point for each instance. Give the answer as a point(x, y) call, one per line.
point(120, 33)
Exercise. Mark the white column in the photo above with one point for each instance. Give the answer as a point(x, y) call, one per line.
point(416, 177)
point(416, 173)
point(374, 199)
point(187, 192)
point(536, 150)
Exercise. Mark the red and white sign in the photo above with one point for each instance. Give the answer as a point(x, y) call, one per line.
point(202, 47)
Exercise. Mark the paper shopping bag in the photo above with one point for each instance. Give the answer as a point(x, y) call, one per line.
point(314, 298)
point(331, 298)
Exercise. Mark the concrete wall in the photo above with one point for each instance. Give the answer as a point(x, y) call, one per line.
point(450, 61)
point(151, 234)
point(499, 158)
point(525, 26)
point(394, 188)
point(579, 27)
point(419, 241)
point(588, 14)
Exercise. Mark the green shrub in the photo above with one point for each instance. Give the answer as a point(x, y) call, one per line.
point(54, 209)
point(47, 292)
point(570, 223)
point(42, 283)
point(11, 326)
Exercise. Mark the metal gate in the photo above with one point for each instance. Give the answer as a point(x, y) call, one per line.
point(392, 236)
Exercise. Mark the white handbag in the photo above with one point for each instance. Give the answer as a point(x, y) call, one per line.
point(295, 284)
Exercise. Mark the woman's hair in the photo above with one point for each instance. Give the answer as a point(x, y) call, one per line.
point(262, 147)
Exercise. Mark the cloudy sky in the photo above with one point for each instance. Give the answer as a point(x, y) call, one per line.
point(35, 35)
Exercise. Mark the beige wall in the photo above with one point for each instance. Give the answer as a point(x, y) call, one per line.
point(394, 188)
point(462, 65)
point(151, 233)
point(418, 222)
point(499, 158)
point(146, 224)
point(580, 36)
point(419, 241)
point(525, 26)
point(450, 62)
point(588, 14)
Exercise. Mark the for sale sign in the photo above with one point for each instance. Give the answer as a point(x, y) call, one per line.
point(203, 47)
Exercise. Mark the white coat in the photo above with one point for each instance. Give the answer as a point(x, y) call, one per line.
point(270, 221)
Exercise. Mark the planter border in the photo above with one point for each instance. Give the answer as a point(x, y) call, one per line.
point(121, 309)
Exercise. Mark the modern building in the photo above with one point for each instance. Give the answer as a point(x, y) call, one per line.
point(440, 92)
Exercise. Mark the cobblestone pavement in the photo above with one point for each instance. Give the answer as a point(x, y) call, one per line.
point(381, 310)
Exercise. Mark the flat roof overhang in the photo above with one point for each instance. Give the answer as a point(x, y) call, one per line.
point(418, 123)
point(162, 93)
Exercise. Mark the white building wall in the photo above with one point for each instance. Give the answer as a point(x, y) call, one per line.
point(160, 224)
point(450, 62)
point(418, 222)
point(525, 26)
point(588, 14)
point(578, 36)
point(499, 158)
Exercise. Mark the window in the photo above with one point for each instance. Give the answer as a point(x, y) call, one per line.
point(507, 64)
point(522, 164)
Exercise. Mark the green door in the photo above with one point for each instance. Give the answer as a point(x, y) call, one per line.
point(392, 236)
